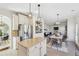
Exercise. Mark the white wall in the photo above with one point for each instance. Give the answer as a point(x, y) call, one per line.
point(61, 28)
point(71, 28)
point(77, 31)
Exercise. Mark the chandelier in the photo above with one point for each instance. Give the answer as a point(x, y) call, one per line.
point(57, 22)
point(39, 12)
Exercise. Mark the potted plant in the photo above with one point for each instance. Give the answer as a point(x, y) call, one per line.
point(0, 32)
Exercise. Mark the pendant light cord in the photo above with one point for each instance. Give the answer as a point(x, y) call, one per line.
point(30, 13)
point(57, 21)
point(38, 10)
point(57, 17)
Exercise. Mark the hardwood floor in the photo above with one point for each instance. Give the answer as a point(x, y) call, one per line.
point(50, 51)
point(53, 52)
point(72, 50)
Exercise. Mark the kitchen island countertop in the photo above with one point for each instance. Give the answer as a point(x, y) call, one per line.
point(30, 42)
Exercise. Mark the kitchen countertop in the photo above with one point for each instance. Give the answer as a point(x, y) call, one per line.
point(30, 42)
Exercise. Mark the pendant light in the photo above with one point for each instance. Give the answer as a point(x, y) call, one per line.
point(30, 13)
point(39, 11)
point(57, 22)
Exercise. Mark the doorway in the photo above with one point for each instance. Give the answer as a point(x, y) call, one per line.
point(5, 32)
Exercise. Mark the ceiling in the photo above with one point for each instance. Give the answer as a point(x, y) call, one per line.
point(48, 11)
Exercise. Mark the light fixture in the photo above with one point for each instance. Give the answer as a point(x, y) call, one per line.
point(73, 12)
point(39, 12)
point(57, 22)
point(30, 13)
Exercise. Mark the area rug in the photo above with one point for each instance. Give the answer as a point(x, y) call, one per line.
point(62, 48)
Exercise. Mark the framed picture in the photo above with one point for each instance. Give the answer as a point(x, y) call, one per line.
point(38, 26)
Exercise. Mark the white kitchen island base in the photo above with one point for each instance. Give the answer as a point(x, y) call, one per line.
point(32, 47)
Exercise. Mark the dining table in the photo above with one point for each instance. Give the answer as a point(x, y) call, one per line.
point(58, 39)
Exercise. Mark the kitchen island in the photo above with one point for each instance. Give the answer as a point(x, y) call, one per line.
point(32, 47)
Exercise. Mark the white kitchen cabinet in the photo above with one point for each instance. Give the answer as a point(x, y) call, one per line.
point(23, 19)
point(35, 50)
point(38, 49)
point(15, 22)
point(43, 47)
